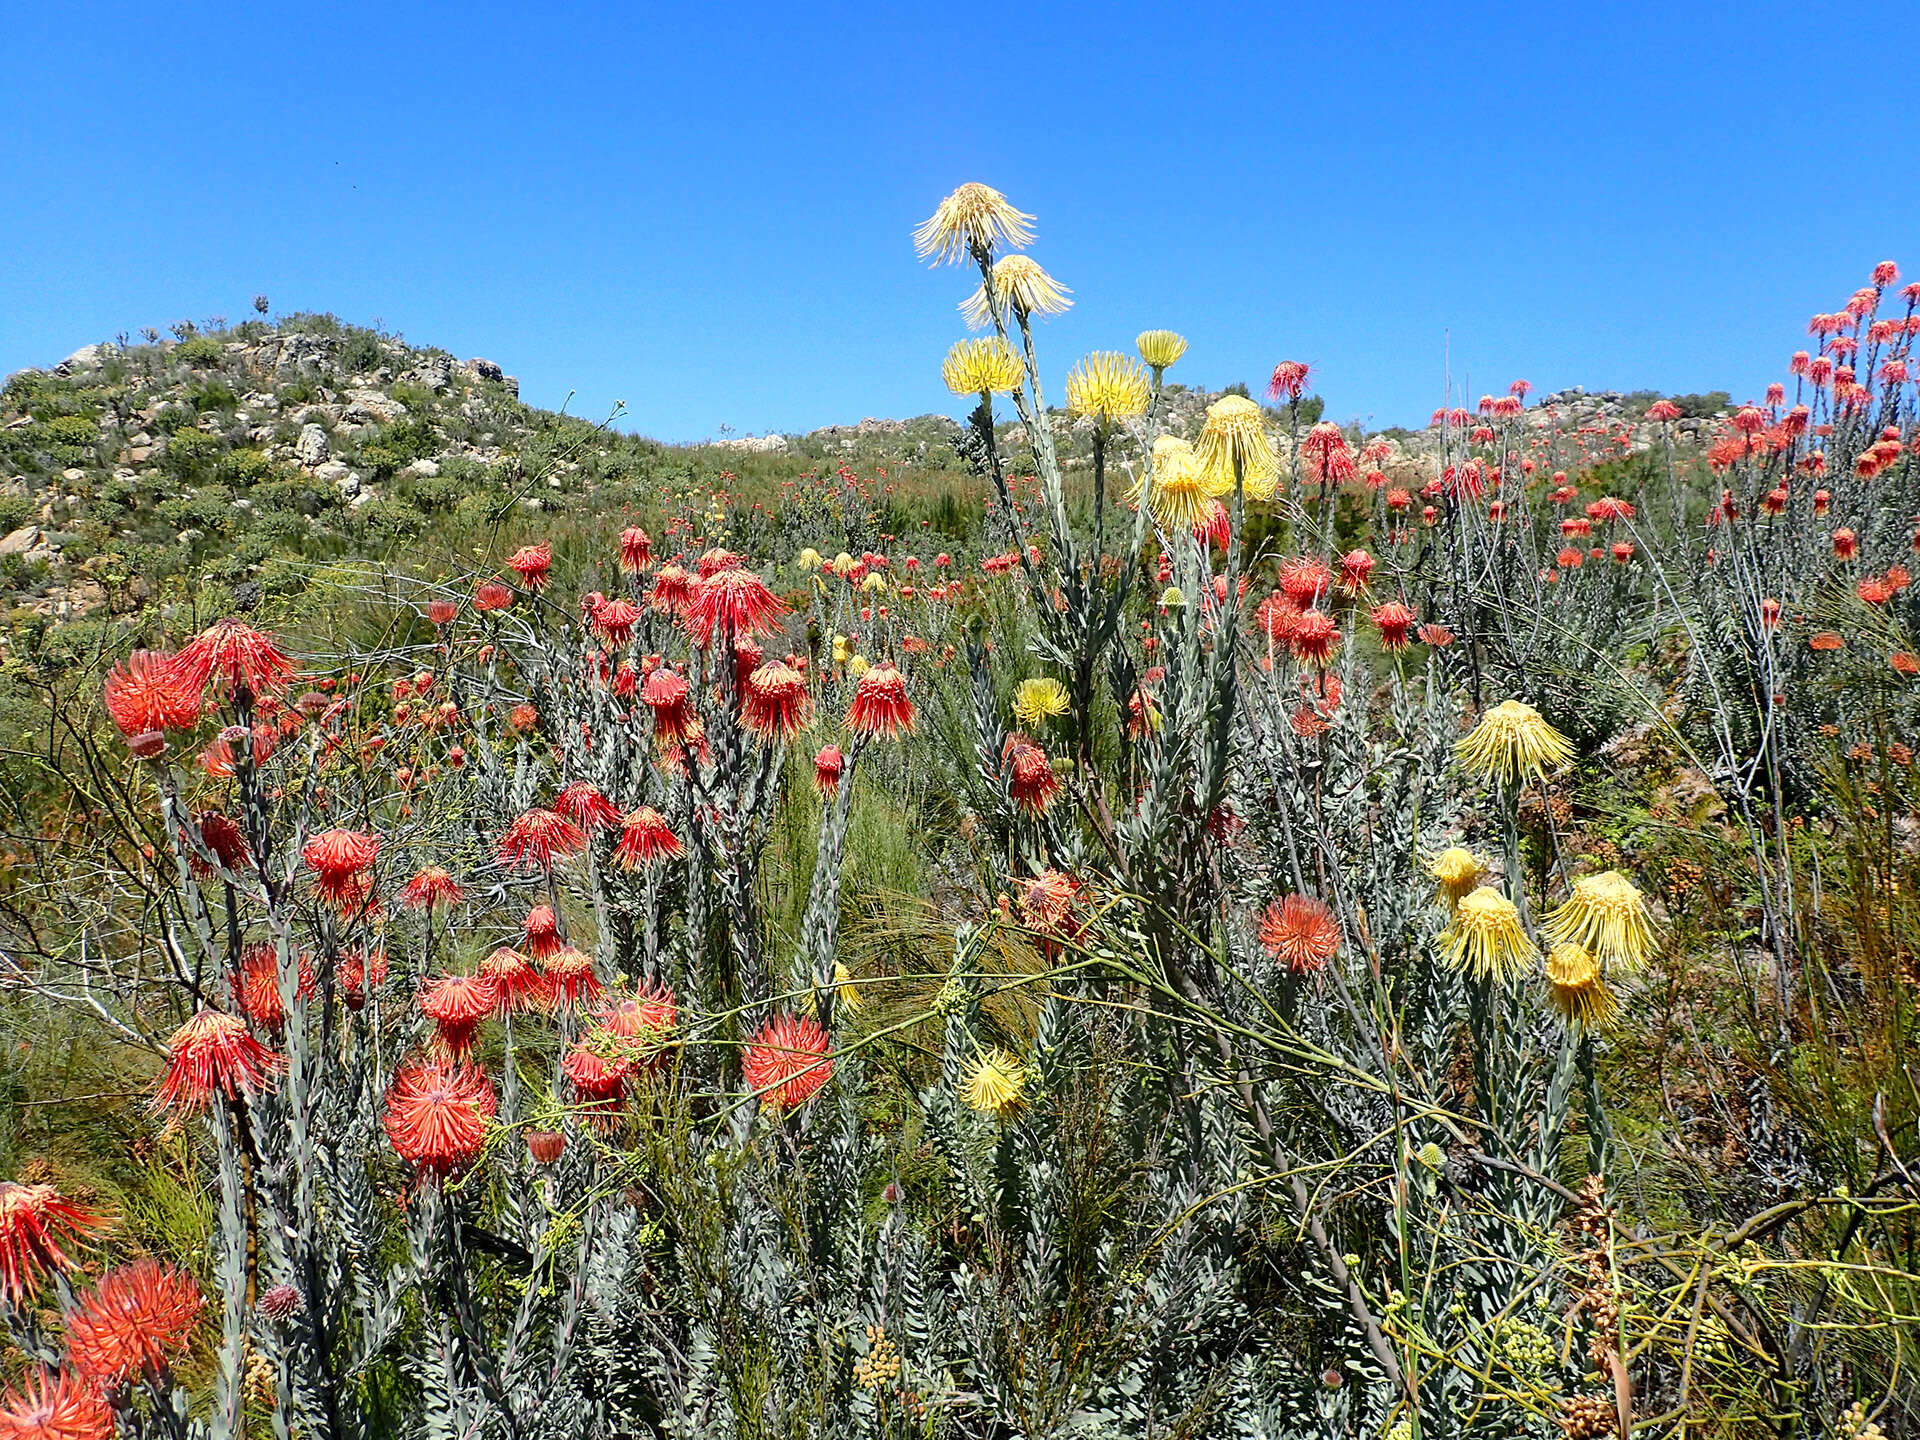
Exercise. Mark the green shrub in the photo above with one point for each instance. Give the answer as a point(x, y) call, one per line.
point(211, 395)
point(392, 519)
point(1701, 406)
point(75, 431)
point(416, 398)
point(15, 511)
point(200, 351)
point(249, 467)
point(360, 352)
point(190, 450)
point(174, 418)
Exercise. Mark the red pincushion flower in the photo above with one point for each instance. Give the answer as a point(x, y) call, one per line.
point(1215, 527)
point(492, 596)
point(719, 558)
point(442, 612)
point(1049, 905)
point(666, 693)
point(1314, 637)
point(672, 590)
point(1661, 411)
point(538, 838)
point(1304, 579)
point(437, 1115)
point(545, 1146)
point(135, 1322)
point(570, 978)
point(256, 988)
point(1031, 782)
point(613, 622)
point(1300, 933)
point(787, 1061)
point(645, 837)
point(1438, 636)
point(430, 886)
point(582, 801)
point(1276, 617)
point(774, 703)
point(648, 1014)
point(1289, 380)
point(531, 563)
point(338, 857)
point(518, 987)
point(597, 1079)
point(828, 766)
point(1355, 567)
point(223, 839)
point(34, 1219)
point(523, 717)
point(213, 1053)
point(233, 654)
point(636, 551)
point(360, 971)
point(540, 932)
point(1393, 620)
point(55, 1405)
point(149, 693)
point(457, 1004)
point(880, 704)
point(733, 602)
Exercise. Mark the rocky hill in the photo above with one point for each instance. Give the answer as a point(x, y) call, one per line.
point(242, 459)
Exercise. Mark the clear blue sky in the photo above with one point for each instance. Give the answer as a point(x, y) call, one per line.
point(705, 210)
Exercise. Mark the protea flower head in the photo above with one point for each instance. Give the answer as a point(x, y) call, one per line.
point(279, 1302)
point(1511, 742)
point(1458, 872)
point(214, 1054)
point(457, 1004)
point(517, 986)
point(235, 656)
point(1177, 494)
point(431, 885)
point(1031, 783)
point(880, 704)
point(1160, 348)
point(1487, 938)
point(828, 766)
point(995, 1083)
point(666, 693)
point(775, 702)
point(491, 596)
point(636, 551)
point(34, 1221)
point(136, 1321)
point(540, 932)
point(1289, 380)
point(338, 858)
point(1019, 284)
point(1233, 442)
point(256, 985)
point(989, 366)
point(532, 564)
point(1304, 579)
point(437, 1114)
point(571, 981)
point(582, 802)
point(1314, 637)
point(1607, 914)
point(645, 837)
point(733, 602)
point(613, 622)
point(539, 837)
point(1301, 933)
point(1108, 386)
point(1394, 621)
point(787, 1061)
point(1575, 985)
point(55, 1405)
point(545, 1146)
point(973, 221)
point(1049, 904)
point(1039, 699)
point(148, 692)
point(672, 589)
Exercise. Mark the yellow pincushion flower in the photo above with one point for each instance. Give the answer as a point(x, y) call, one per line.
point(1040, 698)
point(845, 992)
point(1487, 938)
point(1235, 435)
point(1018, 284)
point(874, 581)
point(840, 650)
point(973, 218)
point(858, 666)
point(987, 366)
point(1172, 598)
point(1512, 741)
point(843, 564)
point(1608, 915)
point(1160, 348)
point(1458, 872)
point(995, 1084)
point(1108, 386)
point(1574, 983)
point(809, 559)
point(1177, 493)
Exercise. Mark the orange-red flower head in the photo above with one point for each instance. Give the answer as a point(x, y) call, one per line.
point(880, 704)
point(55, 1405)
point(538, 838)
point(437, 1115)
point(645, 837)
point(1300, 933)
point(149, 693)
point(788, 1060)
point(734, 602)
point(214, 1054)
point(137, 1321)
point(235, 656)
point(774, 702)
point(34, 1221)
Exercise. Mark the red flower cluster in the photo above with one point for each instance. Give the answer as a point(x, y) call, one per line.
point(787, 1061)
point(437, 1115)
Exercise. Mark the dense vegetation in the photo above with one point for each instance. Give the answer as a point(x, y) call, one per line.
point(1159, 916)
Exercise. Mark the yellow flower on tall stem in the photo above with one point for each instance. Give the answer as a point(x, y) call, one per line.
point(1175, 491)
point(1487, 938)
point(975, 219)
point(1458, 871)
point(1038, 699)
point(1512, 741)
point(1019, 284)
point(1160, 348)
point(1575, 985)
point(995, 1084)
point(1108, 386)
point(984, 367)
point(1608, 915)
point(1234, 437)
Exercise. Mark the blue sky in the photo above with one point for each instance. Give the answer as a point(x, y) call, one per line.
point(705, 210)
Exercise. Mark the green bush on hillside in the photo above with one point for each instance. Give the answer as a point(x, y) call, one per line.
point(200, 351)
